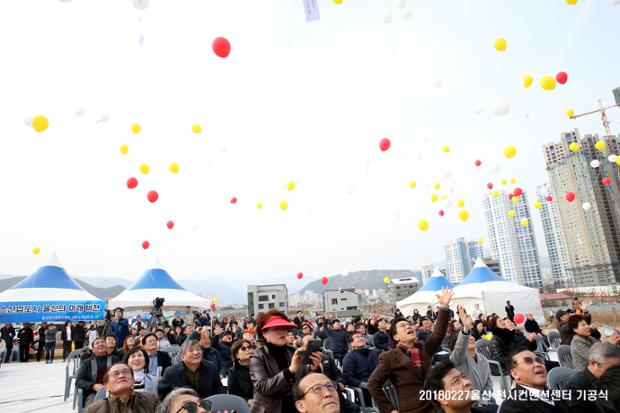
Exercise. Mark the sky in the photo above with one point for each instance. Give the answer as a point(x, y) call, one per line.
point(297, 101)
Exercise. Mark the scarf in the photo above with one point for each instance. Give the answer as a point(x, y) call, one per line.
point(414, 353)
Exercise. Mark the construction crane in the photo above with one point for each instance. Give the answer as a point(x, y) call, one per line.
point(602, 110)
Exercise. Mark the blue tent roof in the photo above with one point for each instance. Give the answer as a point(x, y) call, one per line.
point(49, 276)
point(481, 274)
point(155, 278)
point(436, 283)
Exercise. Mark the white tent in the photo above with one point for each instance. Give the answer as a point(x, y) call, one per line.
point(156, 282)
point(49, 294)
point(425, 296)
point(491, 292)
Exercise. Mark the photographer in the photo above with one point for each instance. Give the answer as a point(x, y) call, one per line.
point(120, 326)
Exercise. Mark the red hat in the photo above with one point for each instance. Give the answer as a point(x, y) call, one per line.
point(277, 321)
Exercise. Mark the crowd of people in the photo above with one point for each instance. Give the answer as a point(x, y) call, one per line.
point(429, 362)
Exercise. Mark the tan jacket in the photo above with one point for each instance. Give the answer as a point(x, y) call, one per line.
point(140, 402)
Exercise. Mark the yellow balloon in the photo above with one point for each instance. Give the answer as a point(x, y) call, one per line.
point(480, 241)
point(510, 151)
point(337, 1)
point(136, 128)
point(513, 180)
point(488, 336)
point(124, 149)
point(196, 128)
point(571, 2)
point(437, 185)
point(547, 82)
point(512, 213)
point(290, 186)
point(423, 225)
point(515, 199)
point(525, 222)
point(618, 160)
point(144, 168)
point(36, 250)
point(283, 205)
point(174, 168)
point(434, 197)
point(460, 203)
point(495, 194)
point(503, 182)
point(500, 44)
point(570, 112)
point(446, 149)
point(527, 81)
point(259, 205)
point(40, 123)
point(413, 184)
point(463, 215)
point(385, 279)
point(600, 145)
point(537, 205)
point(574, 147)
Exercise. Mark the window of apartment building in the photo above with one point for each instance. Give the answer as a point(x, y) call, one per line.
point(272, 305)
point(334, 301)
point(273, 296)
point(281, 304)
point(352, 308)
point(263, 298)
point(261, 306)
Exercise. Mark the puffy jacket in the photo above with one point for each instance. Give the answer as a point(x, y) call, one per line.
point(381, 340)
point(358, 365)
point(338, 342)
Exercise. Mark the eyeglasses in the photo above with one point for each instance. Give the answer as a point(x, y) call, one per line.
point(318, 389)
point(192, 407)
point(244, 348)
point(123, 372)
point(528, 361)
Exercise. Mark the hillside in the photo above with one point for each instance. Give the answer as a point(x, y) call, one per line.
point(370, 280)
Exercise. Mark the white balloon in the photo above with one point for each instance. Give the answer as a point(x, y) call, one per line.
point(223, 150)
point(447, 173)
point(344, 273)
point(478, 110)
point(595, 163)
point(104, 118)
point(495, 168)
point(406, 14)
point(387, 17)
point(141, 39)
point(401, 4)
point(437, 83)
point(612, 158)
point(425, 141)
point(427, 185)
point(80, 112)
point(501, 108)
point(28, 121)
point(141, 4)
point(586, 206)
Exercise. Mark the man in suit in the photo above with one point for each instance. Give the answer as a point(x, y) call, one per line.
point(530, 394)
point(91, 371)
point(406, 365)
point(192, 372)
point(156, 358)
point(510, 311)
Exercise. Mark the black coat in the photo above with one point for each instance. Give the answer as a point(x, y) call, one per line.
point(582, 381)
point(358, 365)
point(175, 376)
point(87, 372)
point(163, 360)
point(25, 336)
point(381, 340)
point(214, 356)
point(338, 342)
point(226, 355)
point(514, 405)
point(504, 342)
point(78, 334)
point(531, 326)
point(239, 381)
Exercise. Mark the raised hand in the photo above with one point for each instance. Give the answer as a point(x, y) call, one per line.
point(444, 297)
point(466, 320)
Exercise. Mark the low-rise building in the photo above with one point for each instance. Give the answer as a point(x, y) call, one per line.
point(262, 298)
point(401, 288)
point(343, 302)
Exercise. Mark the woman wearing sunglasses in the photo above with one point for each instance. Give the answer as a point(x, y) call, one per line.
point(239, 381)
point(136, 359)
point(184, 400)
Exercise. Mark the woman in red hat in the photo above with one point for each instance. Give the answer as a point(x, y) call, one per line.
point(274, 365)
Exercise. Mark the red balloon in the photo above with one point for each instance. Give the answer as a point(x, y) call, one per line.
point(518, 192)
point(549, 198)
point(441, 213)
point(478, 163)
point(146, 245)
point(384, 144)
point(233, 200)
point(561, 77)
point(519, 318)
point(300, 275)
point(606, 181)
point(152, 196)
point(212, 306)
point(170, 224)
point(490, 185)
point(570, 196)
point(510, 196)
point(221, 47)
point(132, 183)
point(324, 280)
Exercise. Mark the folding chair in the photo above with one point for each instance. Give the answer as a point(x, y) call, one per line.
point(482, 347)
point(553, 337)
point(228, 402)
point(73, 362)
point(565, 356)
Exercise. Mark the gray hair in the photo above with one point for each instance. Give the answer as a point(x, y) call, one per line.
point(187, 344)
point(164, 407)
point(602, 351)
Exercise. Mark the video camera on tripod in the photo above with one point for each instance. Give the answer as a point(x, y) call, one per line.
point(157, 314)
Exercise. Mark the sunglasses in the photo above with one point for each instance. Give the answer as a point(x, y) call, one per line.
point(244, 348)
point(528, 361)
point(192, 407)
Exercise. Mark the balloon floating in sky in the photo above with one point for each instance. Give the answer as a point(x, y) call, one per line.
point(141, 4)
point(423, 225)
point(501, 108)
point(437, 185)
point(495, 194)
point(561, 77)
point(434, 197)
point(500, 44)
point(549, 198)
point(478, 162)
point(132, 183)
point(144, 168)
point(518, 191)
point(259, 205)
point(525, 222)
point(612, 158)
point(570, 196)
point(283, 205)
point(387, 17)
point(600, 145)
point(570, 112)
point(441, 213)
point(36, 250)
point(105, 117)
point(595, 163)
point(146, 245)
point(300, 275)
point(574, 147)
point(606, 181)
point(519, 317)
point(196, 128)
point(170, 224)
point(40, 123)
point(512, 213)
point(233, 200)
point(515, 199)
point(460, 203)
point(503, 181)
point(446, 149)
point(324, 280)
point(136, 128)
point(124, 149)
point(221, 47)
point(586, 206)
point(463, 215)
point(510, 152)
point(386, 280)
point(174, 168)
point(513, 181)
point(406, 14)
point(80, 112)
point(412, 184)
point(152, 196)
point(490, 185)
point(527, 81)
point(547, 82)
point(337, 1)
point(290, 186)
point(384, 144)
point(537, 205)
